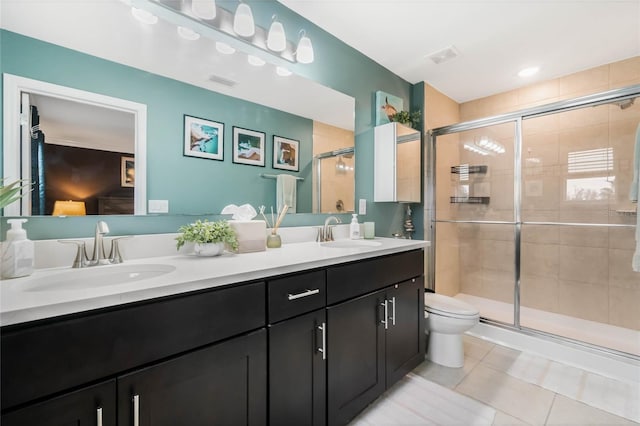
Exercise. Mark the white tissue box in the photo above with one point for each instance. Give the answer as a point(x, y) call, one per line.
point(251, 235)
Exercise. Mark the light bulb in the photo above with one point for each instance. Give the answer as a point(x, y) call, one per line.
point(283, 72)
point(255, 61)
point(205, 9)
point(243, 24)
point(188, 33)
point(276, 40)
point(304, 54)
point(144, 16)
point(224, 48)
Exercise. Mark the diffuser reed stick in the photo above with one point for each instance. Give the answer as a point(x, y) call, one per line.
point(274, 230)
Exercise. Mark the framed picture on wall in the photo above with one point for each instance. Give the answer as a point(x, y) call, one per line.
point(248, 146)
point(203, 138)
point(127, 171)
point(386, 106)
point(286, 153)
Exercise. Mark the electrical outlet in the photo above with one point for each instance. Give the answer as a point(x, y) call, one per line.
point(158, 206)
point(362, 206)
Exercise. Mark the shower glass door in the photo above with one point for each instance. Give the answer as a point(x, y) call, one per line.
point(475, 218)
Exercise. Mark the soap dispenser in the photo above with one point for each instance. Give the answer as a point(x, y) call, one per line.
point(18, 251)
point(354, 228)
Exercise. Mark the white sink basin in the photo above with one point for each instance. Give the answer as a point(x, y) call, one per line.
point(96, 276)
point(351, 244)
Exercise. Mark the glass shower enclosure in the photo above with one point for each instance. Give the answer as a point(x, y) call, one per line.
point(532, 221)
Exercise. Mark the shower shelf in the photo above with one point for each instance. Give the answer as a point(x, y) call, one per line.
point(470, 200)
point(469, 169)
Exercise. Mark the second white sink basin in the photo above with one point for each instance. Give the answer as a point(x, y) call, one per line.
point(351, 243)
point(96, 276)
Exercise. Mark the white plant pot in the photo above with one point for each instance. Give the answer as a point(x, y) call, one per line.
point(208, 249)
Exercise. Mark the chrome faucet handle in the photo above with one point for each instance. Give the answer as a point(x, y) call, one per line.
point(81, 254)
point(114, 255)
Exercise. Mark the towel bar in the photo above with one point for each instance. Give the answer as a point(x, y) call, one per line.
point(268, 176)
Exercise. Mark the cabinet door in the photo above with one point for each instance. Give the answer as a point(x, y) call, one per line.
point(355, 354)
point(224, 384)
point(297, 371)
point(95, 405)
point(405, 334)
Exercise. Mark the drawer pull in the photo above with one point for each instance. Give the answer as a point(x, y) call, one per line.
point(393, 311)
point(99, 416)
point(323, 349)
point(303, 294)
point(136, 410)
point(385, 315)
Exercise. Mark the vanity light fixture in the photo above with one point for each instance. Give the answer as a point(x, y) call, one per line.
point(188, 33)
point(255, 61)
point(528, 72)
point(204, 9)
point(144, 16)
point(224, 48)
point(243, 23)
point(276, 39)
point(304, 53)
point(283, 72)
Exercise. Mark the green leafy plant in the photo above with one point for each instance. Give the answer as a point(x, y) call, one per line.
point(11, 192)
point(207, 232)
point(405, 117)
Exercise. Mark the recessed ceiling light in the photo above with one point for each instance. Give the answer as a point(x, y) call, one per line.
point(528, 72)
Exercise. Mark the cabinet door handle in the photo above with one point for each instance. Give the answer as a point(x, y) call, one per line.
point(99, 416)
point(323, 349)
point(393, 311)
point(136, 410)
point(303, 294)
point(385, 316)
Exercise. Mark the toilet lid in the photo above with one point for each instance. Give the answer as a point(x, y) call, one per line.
point(448, 305)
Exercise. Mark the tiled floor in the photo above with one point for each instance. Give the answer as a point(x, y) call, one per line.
point(502, 386)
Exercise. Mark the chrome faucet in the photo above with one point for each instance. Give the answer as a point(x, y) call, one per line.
point(326, 233)
point(98, 256)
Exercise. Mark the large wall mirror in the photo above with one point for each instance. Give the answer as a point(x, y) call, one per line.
point(132, 66)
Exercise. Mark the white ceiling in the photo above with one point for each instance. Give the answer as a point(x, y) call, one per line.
point(494, 38)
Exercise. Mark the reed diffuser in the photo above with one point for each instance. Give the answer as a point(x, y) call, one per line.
point(273, 239)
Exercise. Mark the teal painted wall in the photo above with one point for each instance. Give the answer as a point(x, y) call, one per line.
point(336, 65)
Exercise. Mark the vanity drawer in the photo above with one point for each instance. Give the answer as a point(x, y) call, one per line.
point(296, 294)
point(362, 277)
point(48, 357)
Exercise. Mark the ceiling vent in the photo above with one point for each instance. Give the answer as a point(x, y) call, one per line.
point(221, 80)
point(443, 55)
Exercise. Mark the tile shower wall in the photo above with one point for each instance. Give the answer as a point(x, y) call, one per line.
point(581, 271)
point(338, 183)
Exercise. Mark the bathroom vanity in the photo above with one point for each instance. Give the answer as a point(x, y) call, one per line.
point(306, 334)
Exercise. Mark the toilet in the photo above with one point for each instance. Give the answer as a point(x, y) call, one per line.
point(446, 319)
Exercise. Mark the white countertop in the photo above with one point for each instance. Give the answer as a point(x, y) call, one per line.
point(18, 304)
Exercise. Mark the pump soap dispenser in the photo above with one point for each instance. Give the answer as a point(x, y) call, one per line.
point(18, 251)
point(354, 228)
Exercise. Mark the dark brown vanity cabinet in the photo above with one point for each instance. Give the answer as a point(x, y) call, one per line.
point(375, 339)
point(297, 349)
point(186, 357)
point(94, 405)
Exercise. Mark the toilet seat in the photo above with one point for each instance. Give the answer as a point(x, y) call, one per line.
point(439, 304)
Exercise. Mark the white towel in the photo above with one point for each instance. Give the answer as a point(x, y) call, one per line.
point(633, 195)
point(286, 192)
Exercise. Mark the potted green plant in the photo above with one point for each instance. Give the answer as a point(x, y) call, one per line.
point(411, 119)
point(209, 238)
point(11, 192)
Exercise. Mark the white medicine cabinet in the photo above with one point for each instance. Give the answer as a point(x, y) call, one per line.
point(397, 164)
